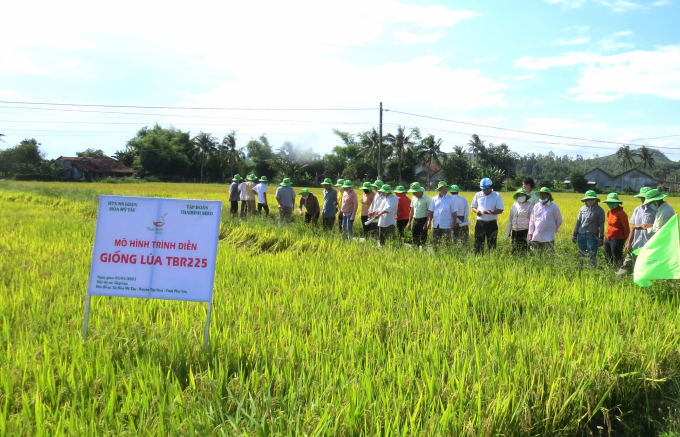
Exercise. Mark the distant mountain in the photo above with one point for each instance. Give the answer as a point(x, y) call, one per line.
point(609, 163)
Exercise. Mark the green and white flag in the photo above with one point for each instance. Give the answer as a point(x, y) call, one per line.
point(660, 257)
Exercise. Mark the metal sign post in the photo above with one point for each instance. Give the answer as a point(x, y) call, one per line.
point(206, 334)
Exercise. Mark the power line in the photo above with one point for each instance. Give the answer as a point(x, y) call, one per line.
point(190, 124)
point(186, 107)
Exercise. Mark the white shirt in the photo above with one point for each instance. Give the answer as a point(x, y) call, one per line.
point(463, 208)
point(261, 189)
point(375, 204)
point(492, 202)
point(545, 222)
point(242, 189)
point(442, 208)
point(389, 204)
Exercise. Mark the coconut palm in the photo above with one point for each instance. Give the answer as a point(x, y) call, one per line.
point(368, 144)
point(431, 150)
point(228, 150)
point(476, 146)
point(626, 157)
point(401, 142)
point(646, 156)
point(204, 145)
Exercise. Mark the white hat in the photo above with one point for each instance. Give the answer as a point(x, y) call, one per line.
point(485, 183)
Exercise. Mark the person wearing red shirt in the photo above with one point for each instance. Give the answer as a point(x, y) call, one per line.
point(403, 209)
point(617, 231)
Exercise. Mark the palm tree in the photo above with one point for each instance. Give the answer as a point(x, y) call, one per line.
point(368, 145)
point(626, 157)
point(228, 150)
point(476, 146)
point(432, 151)
point(401, 141)
point(204, 144)
point(646, 156)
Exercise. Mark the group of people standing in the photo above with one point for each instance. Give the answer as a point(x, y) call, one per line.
point(534, 218)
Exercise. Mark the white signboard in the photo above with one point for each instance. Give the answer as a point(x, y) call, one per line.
point(155, 248)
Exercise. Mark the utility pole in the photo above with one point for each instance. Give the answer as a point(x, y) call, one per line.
point(380, 143)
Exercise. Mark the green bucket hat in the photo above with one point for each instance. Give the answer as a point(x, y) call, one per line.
point(237, 177)
point(340, 183)
point(327, 181)
point(454, 188)
point(378, 183)
point(304, 192)
point(348, 184)
point(386, 189)
point(653, 195)
point(400, 189)
point(286, 182)
point(643, 191)
point(442, 184)
point(263, 179)
point(367, 186)
point(590, 195)
point(547, 190)
point(613, 198)
point(518, 192)
point(416, 188)
point(251, 177)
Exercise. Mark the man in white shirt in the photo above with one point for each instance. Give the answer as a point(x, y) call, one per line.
point(443, 214)
point(387, 215)
point(261, 191)
point(461, 234)
point(375, 205)
point(486, 204)
point(242, 194)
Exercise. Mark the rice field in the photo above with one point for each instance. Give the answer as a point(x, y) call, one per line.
point(314, 335)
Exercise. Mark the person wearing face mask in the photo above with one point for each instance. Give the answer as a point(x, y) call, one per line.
point(638, 236)
point(486, 204)
point(518, 223)
point(375, 207)
point(618, 230)
point(545, 221)
point(589, 230)
point(664, 211)
point(311, 204)
point(366, 201)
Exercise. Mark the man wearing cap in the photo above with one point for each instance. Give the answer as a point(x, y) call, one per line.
point(311, 204)
point(664, 211)
point(375, 207)
point(350, 204)
point(403, 209)
point(419, 213)
point(638, 236)
point(242, 196)
point(442, 214)
point(486, 204)
point(285, 195)
point(250, 194)
point(341, 192)
point(387, 214)
point(330, 202)
point(546, 220)
point(589, 229)
point(261, 192)
point(366, 201)
point(618, 230)
point(234, 195)
point(461, 232)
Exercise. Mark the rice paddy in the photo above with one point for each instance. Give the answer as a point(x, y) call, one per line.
point(315, 335)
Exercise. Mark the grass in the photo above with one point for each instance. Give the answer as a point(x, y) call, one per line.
point(314, 335)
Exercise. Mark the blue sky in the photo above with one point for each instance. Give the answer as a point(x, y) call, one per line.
point(606, 70)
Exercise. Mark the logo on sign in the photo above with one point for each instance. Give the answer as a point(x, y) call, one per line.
point(158, 225)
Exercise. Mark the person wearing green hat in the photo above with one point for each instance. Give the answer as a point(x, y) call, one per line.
point(350, 205)
point(366, 201)
point(234, 194)
point(339, 185)
point(519, 220)
point(419, 213)
point(664, 212)
point(285, 195)
point(251, 199)
point(375, 206)
point(589, 228)
point(311, 204)
point(386, 214)
point(242, 196)
point(546, 220)
point(461, 232)
point(403, 209)
point(443, 214)
point(638, 236)
point(330, 203)
point(618, 230)
point(261, 191)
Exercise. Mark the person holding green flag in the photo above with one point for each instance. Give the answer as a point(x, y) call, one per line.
point(420, 205)
point(589, 229)
point(618, 230)
point(638, 235)
point(664, 211)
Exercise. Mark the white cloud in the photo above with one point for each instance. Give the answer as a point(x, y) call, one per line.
point(607, 78)
point(412, 38)
point(661, 3)
point(611, 42)
point(562, 42)
point(616, 6)
point(528, 76)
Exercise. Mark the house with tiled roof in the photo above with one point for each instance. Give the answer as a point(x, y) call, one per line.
point(76, 168)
